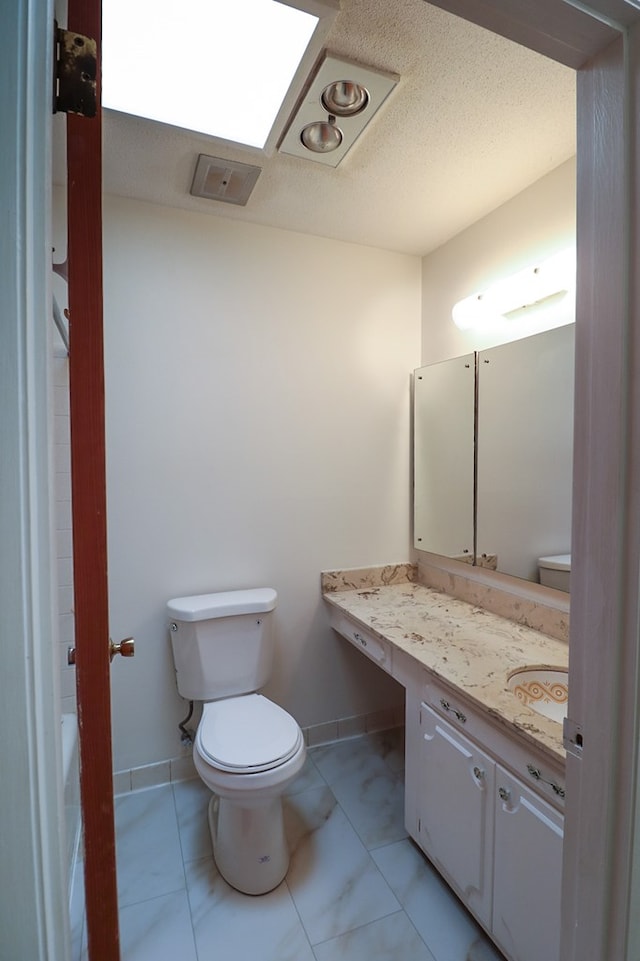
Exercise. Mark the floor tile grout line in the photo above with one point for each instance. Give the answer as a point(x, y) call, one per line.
point(374, 865)
point(367, 847)
point(180, 842)
point(360, 927)
point(193, 927)
point(410, 920)
point(295, 908)
point(184, 871)
point(154, 897)
point(180, 839)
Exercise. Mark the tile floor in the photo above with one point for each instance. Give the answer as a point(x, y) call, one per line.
point(357, 889)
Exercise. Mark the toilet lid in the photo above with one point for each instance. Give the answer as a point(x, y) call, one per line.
point(247, 734)
point(556, 562)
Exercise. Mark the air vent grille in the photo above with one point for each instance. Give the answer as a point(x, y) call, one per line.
point(227, 181)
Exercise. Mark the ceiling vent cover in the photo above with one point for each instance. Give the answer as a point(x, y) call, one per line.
point(224, 180)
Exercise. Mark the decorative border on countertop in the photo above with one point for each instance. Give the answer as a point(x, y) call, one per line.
point(358, 578)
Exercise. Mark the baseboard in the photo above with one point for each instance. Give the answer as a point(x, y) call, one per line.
point(183, 769)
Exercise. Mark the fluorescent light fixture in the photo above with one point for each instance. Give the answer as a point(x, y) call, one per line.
point(219, 67)
point(527, 288)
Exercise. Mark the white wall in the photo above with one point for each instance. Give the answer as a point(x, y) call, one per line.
point(258, 432)
point(532, 226)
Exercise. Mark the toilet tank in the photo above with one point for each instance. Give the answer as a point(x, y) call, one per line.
point(222, 643)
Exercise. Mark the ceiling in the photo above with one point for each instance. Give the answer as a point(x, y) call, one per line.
point(473, 120)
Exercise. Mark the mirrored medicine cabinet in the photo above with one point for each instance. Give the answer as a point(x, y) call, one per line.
point(493, 452)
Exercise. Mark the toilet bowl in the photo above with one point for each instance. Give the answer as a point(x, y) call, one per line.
point(247, 749)
point(555, 571)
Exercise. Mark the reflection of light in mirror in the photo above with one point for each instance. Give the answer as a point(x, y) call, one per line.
point(527, 288)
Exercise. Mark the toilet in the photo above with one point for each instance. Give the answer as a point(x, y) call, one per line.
point(555, 571)
point(247, 749)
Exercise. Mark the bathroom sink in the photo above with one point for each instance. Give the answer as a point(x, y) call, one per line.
point(543, 689)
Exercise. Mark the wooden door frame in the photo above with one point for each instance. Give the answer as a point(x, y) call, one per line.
point(601, 867)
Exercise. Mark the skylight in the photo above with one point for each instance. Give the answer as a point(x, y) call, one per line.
point(219, 67)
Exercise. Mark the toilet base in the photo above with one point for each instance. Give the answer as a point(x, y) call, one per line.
point(249, 845)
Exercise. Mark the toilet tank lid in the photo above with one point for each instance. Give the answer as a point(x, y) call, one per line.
point(202, 607)
point(556, 562)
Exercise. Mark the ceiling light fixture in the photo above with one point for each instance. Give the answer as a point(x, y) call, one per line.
point(219, 68)
point(349, 102)
point(527, 288)
point(345, 98)
point(322, 136)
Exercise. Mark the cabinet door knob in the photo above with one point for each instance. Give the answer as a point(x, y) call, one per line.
point(504, 794)
point(478, 773)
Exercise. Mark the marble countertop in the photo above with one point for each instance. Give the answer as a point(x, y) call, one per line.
point(464, 645)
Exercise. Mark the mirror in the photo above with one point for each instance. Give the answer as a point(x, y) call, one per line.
point(523, 402)
point(525, 450)
point(443, 457)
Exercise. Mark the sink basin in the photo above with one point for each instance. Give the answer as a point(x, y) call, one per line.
point(543, 689)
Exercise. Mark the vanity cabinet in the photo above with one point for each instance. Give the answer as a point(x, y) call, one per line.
point(454, 823)
point(484, 802)
point(528, 835)
point(496, 840)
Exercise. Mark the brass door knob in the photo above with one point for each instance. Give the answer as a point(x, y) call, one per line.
point(126, 648)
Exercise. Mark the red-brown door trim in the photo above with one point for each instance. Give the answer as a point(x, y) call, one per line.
point(86, 375)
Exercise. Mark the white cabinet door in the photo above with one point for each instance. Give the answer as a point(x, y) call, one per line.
point(455, 809)
point(527, 872)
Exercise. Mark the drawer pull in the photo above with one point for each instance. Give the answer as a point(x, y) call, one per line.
point(452, 710)
point(537, 776)
point(360, 638)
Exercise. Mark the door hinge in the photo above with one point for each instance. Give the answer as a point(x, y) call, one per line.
point(572, 737)
point(75, 70)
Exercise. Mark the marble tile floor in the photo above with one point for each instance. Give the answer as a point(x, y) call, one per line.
point(357, 889)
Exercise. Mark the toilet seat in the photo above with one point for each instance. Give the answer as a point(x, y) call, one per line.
point(247, 734)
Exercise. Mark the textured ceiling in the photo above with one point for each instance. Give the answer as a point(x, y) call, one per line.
point(473, 121)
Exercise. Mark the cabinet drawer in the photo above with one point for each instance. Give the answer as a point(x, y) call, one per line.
point(372, 646)
point(535, 769)
point(447, 702)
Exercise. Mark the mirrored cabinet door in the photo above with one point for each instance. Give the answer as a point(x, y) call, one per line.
point(525, 450)
point(444, 456)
